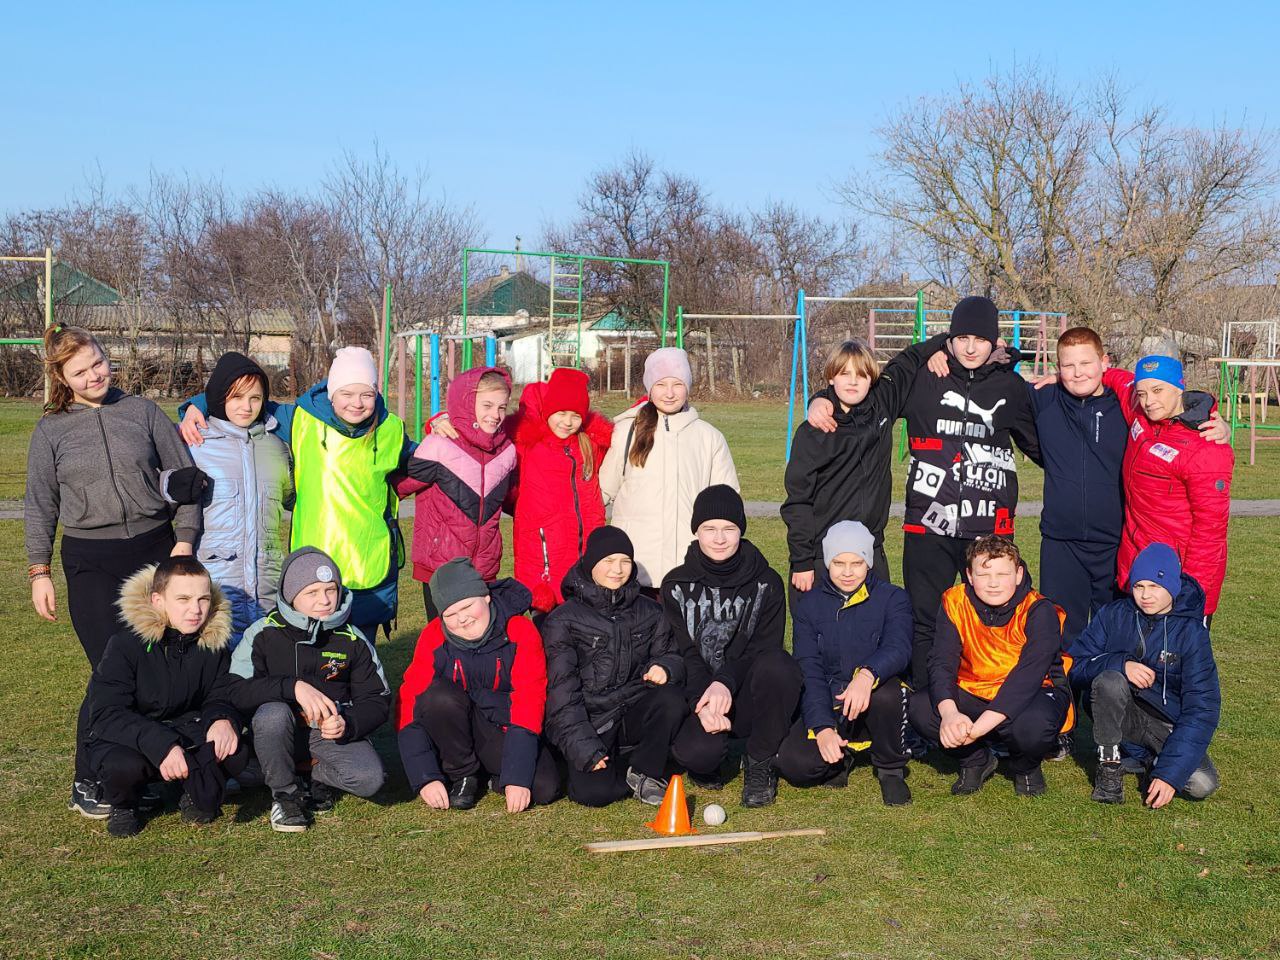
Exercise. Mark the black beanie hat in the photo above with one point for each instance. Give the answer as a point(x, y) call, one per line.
point(720, 502)
point(454, 581)
point(605, 542)
point(976, 317)
point(231, 366)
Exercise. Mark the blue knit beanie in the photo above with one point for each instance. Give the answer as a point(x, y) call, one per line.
point(1158, 563)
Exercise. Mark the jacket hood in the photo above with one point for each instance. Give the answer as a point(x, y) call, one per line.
point(150, 624)
point(743, 567)
point(578, 585)
point(310, 624)
point(1002, 358)
point(824, 582)
point(113, 395)
point(531, 425)
point(1197, 407)
point(316, 402)
point(216, 428)
point(460, 402)
point(232, 366)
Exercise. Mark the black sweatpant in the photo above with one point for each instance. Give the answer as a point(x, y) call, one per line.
point(930, 565)
point(1120, 716)
point(95, 572)
point(124, 772)
point(884, 723)
point(467, 742)
point(1028, 737)
point(762, 711)
point(1079, 577)
point(641, 739)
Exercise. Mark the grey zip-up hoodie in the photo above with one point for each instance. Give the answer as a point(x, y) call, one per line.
point(96, 470)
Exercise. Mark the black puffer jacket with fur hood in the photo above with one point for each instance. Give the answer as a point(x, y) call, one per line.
point(154, 686)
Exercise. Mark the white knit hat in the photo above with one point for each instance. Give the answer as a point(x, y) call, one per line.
point(352, 365)
point(849, 536)
point(667, 362)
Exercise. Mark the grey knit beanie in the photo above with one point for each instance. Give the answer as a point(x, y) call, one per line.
point(848, 536)
point(302, 568)
point(456, 580)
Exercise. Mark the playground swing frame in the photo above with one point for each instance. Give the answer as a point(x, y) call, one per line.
point(48, 260)
point(434, 357)
point(581, 260)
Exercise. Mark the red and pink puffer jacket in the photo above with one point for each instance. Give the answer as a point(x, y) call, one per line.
point(556, 506)
point(460, 486)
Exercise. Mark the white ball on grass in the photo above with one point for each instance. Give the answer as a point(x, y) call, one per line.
point(713, 815)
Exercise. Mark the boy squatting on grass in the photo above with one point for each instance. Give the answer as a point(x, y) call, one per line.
point(304, 661)
point(160, 699)
point(1146, 670)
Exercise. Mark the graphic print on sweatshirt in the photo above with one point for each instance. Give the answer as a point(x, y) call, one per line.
point(712, 617)
point(978, 467)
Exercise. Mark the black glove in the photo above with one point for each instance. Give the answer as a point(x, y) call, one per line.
point(186, 485)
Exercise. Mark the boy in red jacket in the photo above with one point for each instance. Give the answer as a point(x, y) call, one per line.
point(1177, 484)
point(472, 701)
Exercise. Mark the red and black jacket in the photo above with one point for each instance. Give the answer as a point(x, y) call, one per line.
point(505, 678)
point(963, 481)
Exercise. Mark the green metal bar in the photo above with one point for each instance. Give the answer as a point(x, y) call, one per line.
point(466, 344)
point(20, 342)
point(666, 289)
point(417, 388)
point(386, 338)
point(679, 328)
point(577, 350)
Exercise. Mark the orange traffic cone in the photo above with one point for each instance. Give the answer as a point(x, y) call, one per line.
point(673, 816)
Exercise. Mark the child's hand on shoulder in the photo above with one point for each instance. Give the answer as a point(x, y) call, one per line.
point(441, 425)
point(822, 415)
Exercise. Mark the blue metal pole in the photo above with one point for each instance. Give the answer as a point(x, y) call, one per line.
point(435, 374)
point(490, 350)
point(1017, 335)
point(804, 349)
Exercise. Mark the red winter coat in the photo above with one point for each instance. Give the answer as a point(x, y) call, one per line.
point(1177, 488)
point(461, 486)
point(556, 509)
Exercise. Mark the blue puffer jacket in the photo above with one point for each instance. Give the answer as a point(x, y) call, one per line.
point(1176, 646)
point(245, 531)
point(1082, 442)
point(831, 638)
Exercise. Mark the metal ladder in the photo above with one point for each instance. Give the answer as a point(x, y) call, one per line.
point(564, 314)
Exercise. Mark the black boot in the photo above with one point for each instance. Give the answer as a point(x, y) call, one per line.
point(759, 782)
point(971, 779)
point(1108, 783)
point(123, 822)
point(1030, 783)
point(893, 787)
point(839, 778)
point(464, 793)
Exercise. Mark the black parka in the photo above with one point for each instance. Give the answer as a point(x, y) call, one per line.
point(599, 645)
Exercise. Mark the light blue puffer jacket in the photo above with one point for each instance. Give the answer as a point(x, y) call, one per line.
point(246, 507)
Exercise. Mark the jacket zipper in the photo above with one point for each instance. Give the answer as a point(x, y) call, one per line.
point(1084, 461)
point(573, 485)
point(546, 560)
point(111, 471)
point(458, 671)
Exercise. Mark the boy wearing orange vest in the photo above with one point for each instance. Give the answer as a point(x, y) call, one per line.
point(997, 673)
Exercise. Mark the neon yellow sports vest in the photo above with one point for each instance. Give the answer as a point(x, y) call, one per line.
point(343, 496)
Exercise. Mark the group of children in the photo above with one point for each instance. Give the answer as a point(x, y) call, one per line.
point(657, 641)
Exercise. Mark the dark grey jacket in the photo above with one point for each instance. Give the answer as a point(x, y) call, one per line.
point(96, 470)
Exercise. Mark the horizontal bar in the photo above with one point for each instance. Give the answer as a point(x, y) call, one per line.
point(743, 316)
point(809, 299)
point(1229, 361)
point(1004, 313)
point(25, 259)
point(562, 256)
point(20, 342)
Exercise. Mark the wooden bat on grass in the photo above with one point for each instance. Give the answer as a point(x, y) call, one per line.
point(711, 840)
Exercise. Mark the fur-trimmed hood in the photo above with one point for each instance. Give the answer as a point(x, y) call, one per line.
point(149, 623)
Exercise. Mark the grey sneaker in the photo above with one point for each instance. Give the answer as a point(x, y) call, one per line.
point(646, 789)
point(86, 800)
point(288, 814)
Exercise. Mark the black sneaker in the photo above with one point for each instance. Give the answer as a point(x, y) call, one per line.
point(1031, 783)
point(193, 814)
point(123, 822)
point(893, 787)
point(713, 781)
point(1108, 783)
point(152, 797)
point(646, 789)
point(971, 779)
point(464, 793)
point(321, 797)
point(86, 800)
point(288, 815)
point(759, 782)
point(1063, 749)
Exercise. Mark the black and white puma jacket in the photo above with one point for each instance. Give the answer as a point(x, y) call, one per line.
point(962, 481)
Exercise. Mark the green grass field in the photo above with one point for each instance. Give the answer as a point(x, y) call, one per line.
point(984, 876)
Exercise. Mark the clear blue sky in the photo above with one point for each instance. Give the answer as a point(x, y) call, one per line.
point(509, 107)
